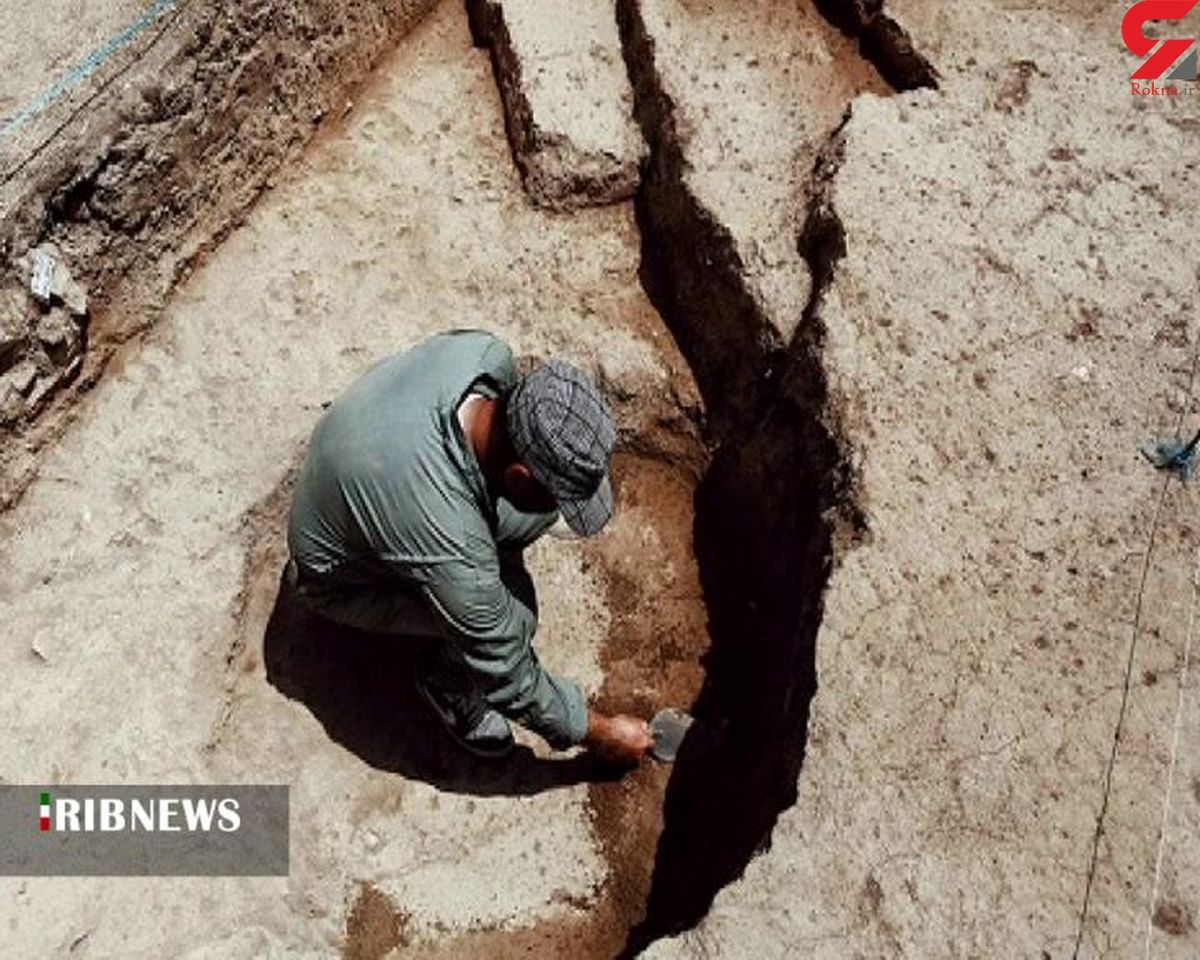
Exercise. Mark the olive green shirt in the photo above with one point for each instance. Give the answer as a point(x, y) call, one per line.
point(391, 490)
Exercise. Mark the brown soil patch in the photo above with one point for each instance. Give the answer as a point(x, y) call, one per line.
point(374, 926)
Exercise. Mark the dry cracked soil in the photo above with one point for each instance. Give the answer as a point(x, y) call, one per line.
point(887, 295)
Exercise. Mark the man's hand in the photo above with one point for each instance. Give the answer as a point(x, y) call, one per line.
point(621, 740)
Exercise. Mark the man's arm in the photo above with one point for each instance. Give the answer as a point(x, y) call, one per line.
point(494, 631)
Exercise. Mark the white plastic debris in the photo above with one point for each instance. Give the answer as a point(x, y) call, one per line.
point(50, 280)
point(41, 280)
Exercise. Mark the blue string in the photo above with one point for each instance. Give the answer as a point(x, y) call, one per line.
point(89, 65)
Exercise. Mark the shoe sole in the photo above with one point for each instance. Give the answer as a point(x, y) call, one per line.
point(448, 726)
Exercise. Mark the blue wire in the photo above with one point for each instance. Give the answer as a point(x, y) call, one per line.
point(89, 65)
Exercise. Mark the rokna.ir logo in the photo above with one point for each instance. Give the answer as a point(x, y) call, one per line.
point(1159, 55)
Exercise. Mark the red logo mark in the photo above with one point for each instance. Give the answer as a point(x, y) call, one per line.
point(1133, 32)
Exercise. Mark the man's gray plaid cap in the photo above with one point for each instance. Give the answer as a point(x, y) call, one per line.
point(562, 430)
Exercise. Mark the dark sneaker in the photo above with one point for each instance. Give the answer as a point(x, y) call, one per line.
point(487, 734)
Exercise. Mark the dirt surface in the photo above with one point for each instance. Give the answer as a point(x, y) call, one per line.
point(157, 140)
point(904, 287)
point(566, 97)
point(374, 926)
point(736, 101)
point(44, 49)
point(154, 536)
point(651, 656)
point(998, 760)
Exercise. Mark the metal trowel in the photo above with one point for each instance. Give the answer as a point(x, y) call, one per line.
point(668, 728)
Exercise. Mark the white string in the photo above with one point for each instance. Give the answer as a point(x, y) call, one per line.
point(1166, 814)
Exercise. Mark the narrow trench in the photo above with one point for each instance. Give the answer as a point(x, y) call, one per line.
point(774, 499)
point(764, 554)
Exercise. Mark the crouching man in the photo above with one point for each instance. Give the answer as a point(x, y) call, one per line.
point(421, 486)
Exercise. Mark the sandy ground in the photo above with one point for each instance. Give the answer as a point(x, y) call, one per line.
point(1000, 758)
point(51, 43)
point(140, 570)
point(63, 54)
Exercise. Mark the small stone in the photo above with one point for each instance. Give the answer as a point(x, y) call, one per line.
point(71, 293)
point(54, 329)
point(12, 326)
point(41, 274)
point(12, 405)
point(57, 332)
point(41, 390)
point(20, 378)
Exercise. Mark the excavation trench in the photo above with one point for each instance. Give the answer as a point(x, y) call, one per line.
point(773, 508)
point(715, 568)
point(764, 547)
point(715, 574)
point(136, 175)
